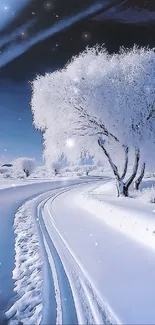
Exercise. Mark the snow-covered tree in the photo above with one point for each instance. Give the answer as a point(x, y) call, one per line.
point(25, 164)
point(99, 103)
point(87, 169)
point(41, 172)
point(4, 170)
point(56, 167)
point(140, 177)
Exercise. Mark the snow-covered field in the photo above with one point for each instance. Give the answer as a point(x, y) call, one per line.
point(134, 217)
point(80, 255)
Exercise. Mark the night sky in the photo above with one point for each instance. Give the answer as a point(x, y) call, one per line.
point(38, 36)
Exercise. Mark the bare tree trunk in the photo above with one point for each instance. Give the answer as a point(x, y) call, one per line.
point(126, 151)
point(134, 173)
point(27, 173)
point(113, 166)
point(139, 179)
point(121, 190)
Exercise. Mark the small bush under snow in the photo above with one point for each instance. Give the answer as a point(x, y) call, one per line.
point(8, 174)
point(25, 164)
point(3, 170)
point(148, 195)
point(18, 174)
point(56, 167)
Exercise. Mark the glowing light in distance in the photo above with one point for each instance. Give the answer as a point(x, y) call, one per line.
point(70, 143)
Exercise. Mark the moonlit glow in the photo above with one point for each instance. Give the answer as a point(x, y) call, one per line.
point(70, 143)
point(76, 79)
point(75, 90)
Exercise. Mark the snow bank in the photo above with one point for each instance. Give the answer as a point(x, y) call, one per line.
point(27, 273)
point(106, 189)
point(133, 217)
point(147, 195)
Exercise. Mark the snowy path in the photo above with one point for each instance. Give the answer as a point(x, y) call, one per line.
point(77, 299)
point(118, 271)
point(10, 200)
point(92, 273)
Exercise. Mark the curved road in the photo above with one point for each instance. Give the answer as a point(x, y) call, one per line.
point(96, 275)
point(116, 274)
point(10, 200)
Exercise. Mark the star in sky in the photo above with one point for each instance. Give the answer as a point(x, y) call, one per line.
point(86, 36)
point(24, 35)
point(49, 5)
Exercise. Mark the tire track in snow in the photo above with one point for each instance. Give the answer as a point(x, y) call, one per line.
point(89, 306)
point(66, 313)
point(62, 293)
point(31, 267)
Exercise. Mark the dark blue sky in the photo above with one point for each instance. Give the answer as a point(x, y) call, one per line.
point(18, 137)
point(71, 25)
point(24, 23)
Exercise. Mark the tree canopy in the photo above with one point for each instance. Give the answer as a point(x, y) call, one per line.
point(98, 100)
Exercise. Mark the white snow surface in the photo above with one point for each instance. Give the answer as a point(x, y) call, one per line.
point(134, 217)
point(119, 265)
point(93, 258)
point(30, 272)
point(11, 198)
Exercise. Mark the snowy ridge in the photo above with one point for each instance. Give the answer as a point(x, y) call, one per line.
point(31, 272)
point(27, 273)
